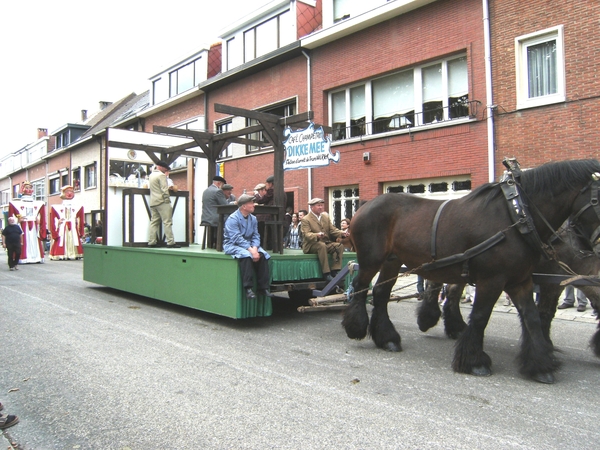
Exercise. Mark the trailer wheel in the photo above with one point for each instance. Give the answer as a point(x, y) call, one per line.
point(300, 295)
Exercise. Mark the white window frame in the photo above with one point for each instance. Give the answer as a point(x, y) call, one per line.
point(449, 194)
point(90, 184)
point(355, 199)
point(522, 81)
point(417, 99)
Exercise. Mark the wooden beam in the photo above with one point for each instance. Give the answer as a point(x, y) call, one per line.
point(192, 134)
point(261, 116)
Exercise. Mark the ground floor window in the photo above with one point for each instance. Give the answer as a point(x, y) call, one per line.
point(343, 203)
point(434, 188)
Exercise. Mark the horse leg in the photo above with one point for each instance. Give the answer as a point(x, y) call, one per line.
point(356, 318)
point(381, 328)
point(536, 358)
point(428, 312)
point(454, 323)
point(469, 356)
point(548, 300)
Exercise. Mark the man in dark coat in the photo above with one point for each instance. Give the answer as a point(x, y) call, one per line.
point(212, 197)
point(12, 241)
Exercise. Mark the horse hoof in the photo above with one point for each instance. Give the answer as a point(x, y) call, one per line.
point(481, 371)
point(546, 378)
point(392, 347)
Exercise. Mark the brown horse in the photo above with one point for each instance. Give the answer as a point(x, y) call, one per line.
point(573, 249)
point(396, 229)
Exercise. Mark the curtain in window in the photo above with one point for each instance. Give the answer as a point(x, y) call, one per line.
point(393, 94)
point(357, 103)
point(432, 83)
point(458, 77)
point(541, 66)
point(266, 37)
point(339, 107)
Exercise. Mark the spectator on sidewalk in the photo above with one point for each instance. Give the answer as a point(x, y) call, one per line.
point(569, 300)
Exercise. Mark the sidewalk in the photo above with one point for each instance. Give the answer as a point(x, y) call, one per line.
point(407, 285)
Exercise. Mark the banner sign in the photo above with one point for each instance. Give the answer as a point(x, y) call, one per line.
point(307, 148)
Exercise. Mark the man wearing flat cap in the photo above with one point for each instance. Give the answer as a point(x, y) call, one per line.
point(319, 236)
point(212, 197)
point(242, 242)
point(160, 206)
point(265, 196)
point(227, 188)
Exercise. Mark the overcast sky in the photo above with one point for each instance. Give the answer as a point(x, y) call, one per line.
point(58, 57)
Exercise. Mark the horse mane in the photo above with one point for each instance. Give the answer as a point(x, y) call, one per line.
point(553, 177)
point(556, 177)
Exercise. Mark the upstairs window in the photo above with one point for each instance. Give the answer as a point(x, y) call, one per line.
point(256, 41)
point(415, 97)
point(90, 176)
point(540, 69)
point(284, 110)
point(77, 180)
point(179, 80)
point(225, 127)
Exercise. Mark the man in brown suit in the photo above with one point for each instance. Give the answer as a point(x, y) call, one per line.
point(319, 236)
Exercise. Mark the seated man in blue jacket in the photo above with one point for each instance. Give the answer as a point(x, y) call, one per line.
point(242, 241)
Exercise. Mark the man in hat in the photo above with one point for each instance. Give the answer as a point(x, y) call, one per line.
point(242, 242)
point(67, 223)
point(160, 206)
point(212, 197)
point(31, 216)
point(319, 236)
point(265, 196)
point(227, 188)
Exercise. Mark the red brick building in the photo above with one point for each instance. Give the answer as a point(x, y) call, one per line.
point(546, 79)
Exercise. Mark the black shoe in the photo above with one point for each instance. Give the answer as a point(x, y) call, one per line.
point(153, 245)
point(581, 308)
point(250, 295)
point(565, 306)
point(265, 292)
point(174, 246)
point(327, 277)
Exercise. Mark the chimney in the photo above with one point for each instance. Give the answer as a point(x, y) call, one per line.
point(103, 105)
point(83, 115)
point(42, 132)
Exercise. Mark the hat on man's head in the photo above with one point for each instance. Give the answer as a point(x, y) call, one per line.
point(316, 200)
point(270, 179)
point(227, 187)
point(244, 198)
point(162, 163)
point(260, 186)
point(219, 178)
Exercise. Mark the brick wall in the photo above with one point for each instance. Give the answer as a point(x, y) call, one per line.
point(566, 130)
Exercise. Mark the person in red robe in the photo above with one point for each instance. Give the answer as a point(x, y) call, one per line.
point(31, 216)
point(67, 227)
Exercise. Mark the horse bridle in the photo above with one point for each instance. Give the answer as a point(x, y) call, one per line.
point(594, 186)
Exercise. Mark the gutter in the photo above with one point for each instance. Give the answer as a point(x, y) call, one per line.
point(489, 98)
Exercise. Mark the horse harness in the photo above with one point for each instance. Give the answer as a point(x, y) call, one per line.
point(521, 218)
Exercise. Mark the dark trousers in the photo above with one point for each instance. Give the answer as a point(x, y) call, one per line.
point(14, 254)
point(248, 267)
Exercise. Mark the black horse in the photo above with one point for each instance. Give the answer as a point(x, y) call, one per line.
point(574, 253)
point(492, 251)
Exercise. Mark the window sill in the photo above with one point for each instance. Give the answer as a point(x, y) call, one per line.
point(541, 101)
point(411, 130)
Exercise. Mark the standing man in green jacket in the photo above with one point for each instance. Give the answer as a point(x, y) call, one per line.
point(160, 206)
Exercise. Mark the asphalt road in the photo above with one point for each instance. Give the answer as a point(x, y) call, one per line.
point(86, 367)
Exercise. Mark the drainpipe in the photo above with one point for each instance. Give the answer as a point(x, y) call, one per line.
point(489, 99)
point(309, 107)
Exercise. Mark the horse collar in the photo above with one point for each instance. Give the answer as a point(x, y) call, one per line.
point(519, 214)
